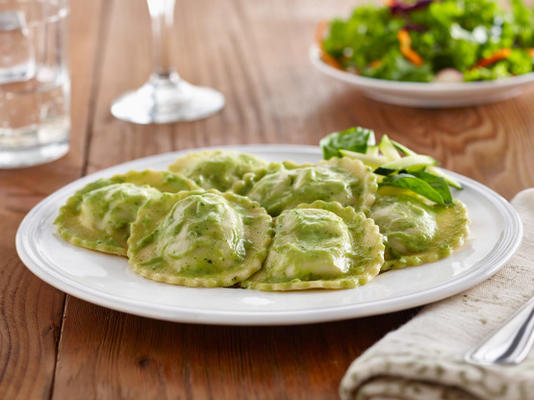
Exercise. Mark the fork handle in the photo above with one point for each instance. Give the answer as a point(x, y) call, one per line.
point(509, 344)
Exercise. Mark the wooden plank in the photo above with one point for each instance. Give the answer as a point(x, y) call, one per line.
point(110, 355)
point(256, 53)
point(31, 311)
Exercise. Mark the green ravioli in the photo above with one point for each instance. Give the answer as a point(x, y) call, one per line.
point(417, 231)
point(320, 245)
point(199, 238)
point(98, 216)
point(284, 186)
point(218, 169)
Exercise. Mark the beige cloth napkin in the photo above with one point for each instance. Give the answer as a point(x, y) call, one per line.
point(424, 358)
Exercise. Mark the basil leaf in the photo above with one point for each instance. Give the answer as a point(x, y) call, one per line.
point(416, 185)
point(354, 139)
point(438, 184)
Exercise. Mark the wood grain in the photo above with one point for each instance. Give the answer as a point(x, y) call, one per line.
point(30, 310)
point(113, 355)
point(255, 52)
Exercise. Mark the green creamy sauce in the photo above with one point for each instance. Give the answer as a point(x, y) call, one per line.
point(221, 169)
point(286, 188)
point(112, 208)
point(309, 244)
point(202, 234)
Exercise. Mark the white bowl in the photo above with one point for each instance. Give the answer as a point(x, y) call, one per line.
point(428, 95)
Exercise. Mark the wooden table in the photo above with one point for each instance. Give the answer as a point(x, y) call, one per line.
point(56, 346)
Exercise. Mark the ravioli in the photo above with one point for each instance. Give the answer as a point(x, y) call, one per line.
point(284, 186)
point(218, 169)
point(199, 238)
point(416, 231)
point(320, 245)
point(98, 216)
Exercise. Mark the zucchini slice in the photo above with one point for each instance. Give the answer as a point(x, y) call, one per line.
point(388, 149)
point(410, 162)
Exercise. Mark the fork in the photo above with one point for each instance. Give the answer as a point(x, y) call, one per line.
point(510, 344)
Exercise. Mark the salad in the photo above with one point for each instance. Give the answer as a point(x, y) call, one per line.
point(432, 40)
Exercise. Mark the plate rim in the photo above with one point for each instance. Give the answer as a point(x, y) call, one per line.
point(512, 231)
point(421, 87)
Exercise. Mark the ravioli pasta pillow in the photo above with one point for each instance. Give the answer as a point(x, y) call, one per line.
point(199, 238)
point(418, 232)
point(98, 216)
point(286, 185)
point(320, 245)
point(218, 169)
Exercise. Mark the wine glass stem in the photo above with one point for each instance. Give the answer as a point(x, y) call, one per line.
point(162, 15)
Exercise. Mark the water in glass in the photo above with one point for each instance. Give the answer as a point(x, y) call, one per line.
point(34, 82)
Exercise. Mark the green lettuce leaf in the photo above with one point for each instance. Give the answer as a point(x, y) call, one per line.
point(354, 139)
point(432, 187)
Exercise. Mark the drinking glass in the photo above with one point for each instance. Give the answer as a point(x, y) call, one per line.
point(165, 97)
point(34, 82)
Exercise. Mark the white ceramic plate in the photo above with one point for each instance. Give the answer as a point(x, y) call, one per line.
point(106, 280)
point(428, 95)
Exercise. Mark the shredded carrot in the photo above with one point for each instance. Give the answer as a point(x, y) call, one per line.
point(500, 54)
point(320, 33)
point(405, 44)
point(375, 64)
point(530, 52)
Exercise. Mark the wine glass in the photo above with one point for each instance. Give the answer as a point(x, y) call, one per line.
point(165, 97)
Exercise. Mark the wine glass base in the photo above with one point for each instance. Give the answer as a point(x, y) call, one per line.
point(164, 100)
